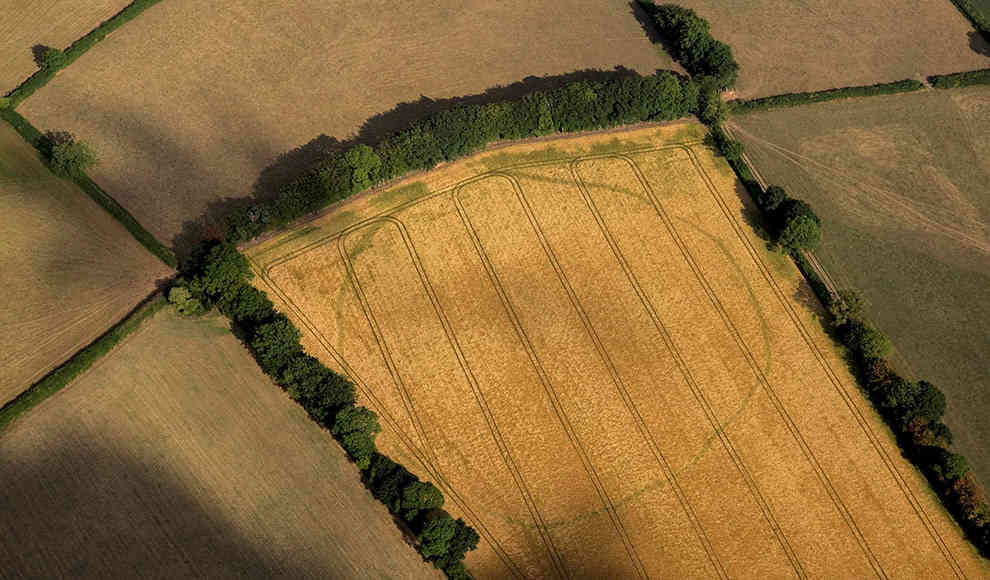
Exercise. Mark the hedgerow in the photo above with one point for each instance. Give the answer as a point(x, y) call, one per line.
point(741, 107)
point(62, 59)
point(961, 79)
point(463, 130)
point(217, 274)
point(979, 18)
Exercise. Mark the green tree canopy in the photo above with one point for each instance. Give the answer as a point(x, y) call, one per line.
point(419, 496)
point(800, 227)
point(276, 343)
point(67, 156)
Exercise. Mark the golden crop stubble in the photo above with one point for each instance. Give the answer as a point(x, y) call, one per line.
point(887, 520)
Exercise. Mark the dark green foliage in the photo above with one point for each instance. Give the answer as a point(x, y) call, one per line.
point(355, 428)
point(943, 464)
point(184, 302)
point(246, 305)
point(386, 479)
point(847, 305)
point(319, 390)
point(221, 270)
point(770, 199)
point(692, 44)
point(465, 129)
point(865, 341)
point(464, 540)
point(31, 134)
point(799, 228)
point(66, 156)
point(979, 18)
point(741, 107)
point(962, 79)
point(419, 496)
point(275, 343)
point(53, 59)
point(54, 381)
point(435, 539)
point(78, 48)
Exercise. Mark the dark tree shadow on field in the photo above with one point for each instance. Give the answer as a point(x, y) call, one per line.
point(979, 42)
point(38, 52)
point(297, 162)
point(646, 22)
point(75, 507)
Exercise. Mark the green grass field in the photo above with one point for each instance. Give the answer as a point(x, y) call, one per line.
point(902, 183)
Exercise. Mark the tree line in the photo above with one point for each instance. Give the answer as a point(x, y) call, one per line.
point(466, 129)
point(218, 275)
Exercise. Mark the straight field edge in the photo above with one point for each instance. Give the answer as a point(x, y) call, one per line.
point(33, 136)
point(62, 375)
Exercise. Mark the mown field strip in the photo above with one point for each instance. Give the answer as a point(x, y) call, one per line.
point(811, 360)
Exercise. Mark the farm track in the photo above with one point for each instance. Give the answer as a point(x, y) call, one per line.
point(428, 459)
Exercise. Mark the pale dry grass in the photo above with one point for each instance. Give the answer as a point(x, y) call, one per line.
point(54, 23)
point(624, 365)
point(187, 104)
point(786, 47)
point(176, 457)
point(70, 270)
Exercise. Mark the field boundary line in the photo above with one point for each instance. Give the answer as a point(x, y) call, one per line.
point(789, 423)
point(390, 422)
point(555, 557)
point(544, 377)
point(616, 378)
point(688, 376)
point(834, 379)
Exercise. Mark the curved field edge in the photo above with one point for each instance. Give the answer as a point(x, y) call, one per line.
point(355, 211)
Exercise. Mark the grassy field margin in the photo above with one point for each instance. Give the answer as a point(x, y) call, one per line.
point(78, 48)
point(741, 107)
point(33, 136)
point(61, 376)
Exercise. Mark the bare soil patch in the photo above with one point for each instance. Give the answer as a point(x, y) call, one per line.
point(176, 457)
point(605, 371)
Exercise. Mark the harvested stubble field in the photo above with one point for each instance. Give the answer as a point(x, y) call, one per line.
point(604, 370)
point(902, 183)
point(786, 47)
point(188, 105)
point(55, 23)
point(70, 271)
point(175, 457)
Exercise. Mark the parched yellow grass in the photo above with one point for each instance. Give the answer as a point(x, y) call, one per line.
point(54, 23)
point(188, 103)
point(70, 270)
point(175, 457)
point(582, 343)
point(787, 47)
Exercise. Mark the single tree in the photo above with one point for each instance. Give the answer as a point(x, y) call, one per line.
point(419, 496)
point(182, 299)
point(434, 540)
point(847, 305)
point(52, 59)
point(800, 227)
point(355, 428)
point(864, 340)
point(66, 156)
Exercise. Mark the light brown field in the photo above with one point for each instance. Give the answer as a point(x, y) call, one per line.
point(786, 47)
point(175, 457)
point(70, 270)
point(55, 23)
point(606, 372)
point(188, 104)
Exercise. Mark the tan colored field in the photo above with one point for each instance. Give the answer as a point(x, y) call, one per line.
point(175, 457)
point(55, 23)
point(70, 271)
point(605, 372)
point(786, 47)
point(188, 104)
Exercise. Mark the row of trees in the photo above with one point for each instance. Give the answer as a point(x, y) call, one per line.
point(217, 275)
point(463, 130)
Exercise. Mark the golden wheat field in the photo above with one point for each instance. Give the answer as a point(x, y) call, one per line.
point(70, 270)
point(175, 457)
point(189, 105)
point(54, 23)
point(608, 375)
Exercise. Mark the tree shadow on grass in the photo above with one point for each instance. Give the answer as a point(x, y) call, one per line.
point(979, 42)
point(297, 162)
point(646, 22)
point(38, 53)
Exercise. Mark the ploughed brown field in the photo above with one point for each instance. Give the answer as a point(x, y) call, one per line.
point(175, 457)
point(189, 105)
point(902, 183)
point(51, 23)
point(788, 47)
point(584, 345)
point(70, 271)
